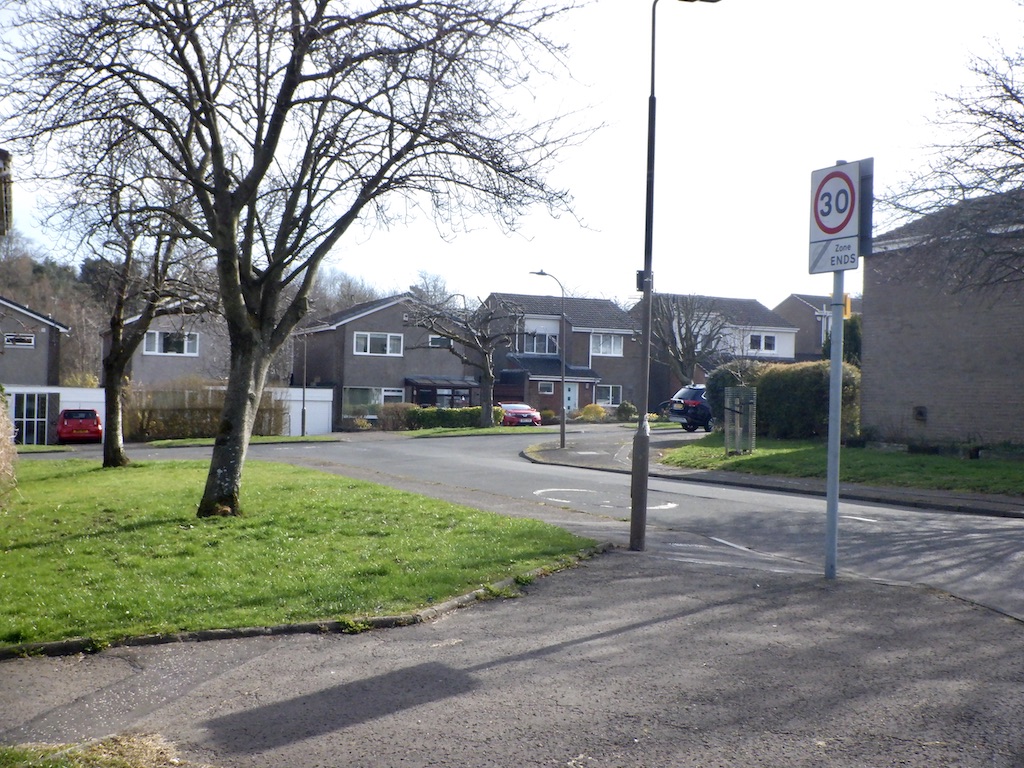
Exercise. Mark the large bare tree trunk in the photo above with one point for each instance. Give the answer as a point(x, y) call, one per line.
point(113, 417)
point(249, 365)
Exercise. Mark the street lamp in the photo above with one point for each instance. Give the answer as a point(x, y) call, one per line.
point(642, 439)
point(562, 348)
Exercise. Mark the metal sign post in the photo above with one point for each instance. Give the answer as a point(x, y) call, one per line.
point(841, 205)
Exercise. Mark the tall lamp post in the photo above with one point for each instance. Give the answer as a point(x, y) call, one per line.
point(642, 439)
point(562, 348)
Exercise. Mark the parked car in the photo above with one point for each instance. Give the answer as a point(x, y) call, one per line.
point(691, 409)
point(79, 425)
point(516, 414)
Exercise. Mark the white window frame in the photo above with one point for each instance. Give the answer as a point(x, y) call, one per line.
point(606, 344)
point(768, 343)
point(436, 341)
point(540, 343)
point(154, 343)
point(612, 392)
point(545, 387)
point(20, 340)
point(394, 343)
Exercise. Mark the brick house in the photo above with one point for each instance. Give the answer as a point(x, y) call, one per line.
point(601, 354)
point(940, 364)
point(371, 355)
point(812, 316)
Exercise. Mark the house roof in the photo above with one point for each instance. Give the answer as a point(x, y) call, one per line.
point(34, 315)
point(999, 214)
point(581, 314)
point(817, 302)
point(550, 367)
point(746, 313)
point(340, 318)
point(455, 382)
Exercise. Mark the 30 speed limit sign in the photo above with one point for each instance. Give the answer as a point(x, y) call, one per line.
point(835, 218)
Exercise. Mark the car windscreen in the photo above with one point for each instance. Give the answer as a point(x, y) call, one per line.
point(79, 414)
point(689, 393)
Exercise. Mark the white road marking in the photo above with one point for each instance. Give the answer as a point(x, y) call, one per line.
point(543, 493)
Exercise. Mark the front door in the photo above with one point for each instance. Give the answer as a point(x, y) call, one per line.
point(572, 396)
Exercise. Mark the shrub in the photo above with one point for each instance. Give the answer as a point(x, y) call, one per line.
point(626, 412)
point(593, 413)
point(547, 416)
point(190, 408)
point(395, 416)
point(739, 373)
point(793, 400)
point(447, 418)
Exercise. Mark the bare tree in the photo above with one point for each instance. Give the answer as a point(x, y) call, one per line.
point(967, 206)
point(686, 328)
point(142, 266)
point(334, 291)
point(477, 331)
point(288, 121)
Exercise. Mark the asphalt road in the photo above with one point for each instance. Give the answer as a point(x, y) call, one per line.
point(664, 658)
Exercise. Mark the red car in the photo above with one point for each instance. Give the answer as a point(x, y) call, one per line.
point(79, 424)
point(516, 414)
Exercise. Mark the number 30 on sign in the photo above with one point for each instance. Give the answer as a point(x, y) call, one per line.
point(834, 218)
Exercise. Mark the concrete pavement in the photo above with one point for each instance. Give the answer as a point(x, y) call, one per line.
point(624, 660)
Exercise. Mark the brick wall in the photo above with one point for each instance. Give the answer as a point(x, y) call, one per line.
point(939, 366)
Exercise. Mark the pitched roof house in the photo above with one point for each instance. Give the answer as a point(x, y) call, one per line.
point(747, 330)
point(371, 354)
point(30, 346)
point(812, 316)
point(600, 351)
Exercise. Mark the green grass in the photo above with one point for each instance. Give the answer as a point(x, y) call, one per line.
point(113, 553)
point(807, 458)
point(128, 751)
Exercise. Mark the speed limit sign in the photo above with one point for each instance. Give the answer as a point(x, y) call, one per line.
point(836, 217)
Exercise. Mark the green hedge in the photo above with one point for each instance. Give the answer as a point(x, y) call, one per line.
point(792, 399)
point(449, 418)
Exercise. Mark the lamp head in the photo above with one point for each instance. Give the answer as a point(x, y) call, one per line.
point(541, 272)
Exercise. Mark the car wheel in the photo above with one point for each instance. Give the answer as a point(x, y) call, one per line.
point(710, 425)
point(689, 428)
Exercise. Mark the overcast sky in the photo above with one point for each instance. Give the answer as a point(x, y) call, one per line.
point(752, 96)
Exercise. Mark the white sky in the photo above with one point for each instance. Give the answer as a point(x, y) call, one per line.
point(753, 95)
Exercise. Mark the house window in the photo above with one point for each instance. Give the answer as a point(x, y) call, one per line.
point(378, 344)
point(439, 342)
point(759, 342)
point(171, 343)
point(608, 394)
point(769, 343)
point(546, 387)
point(540, 343)
point(22, 340)
point(365, 402)
point(606, 344)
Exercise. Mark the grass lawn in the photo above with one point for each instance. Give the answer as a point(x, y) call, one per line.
point(808, 458)
point(112, 553)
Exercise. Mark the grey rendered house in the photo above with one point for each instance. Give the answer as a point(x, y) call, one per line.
point(601, 353)
point(30, 370)
point(942, 361)
point(30, 351)
point(370, 354)
point(190, 346)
